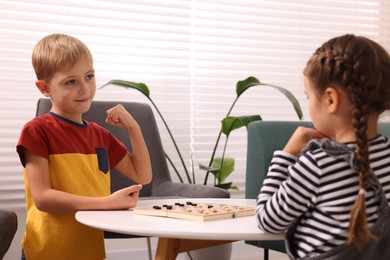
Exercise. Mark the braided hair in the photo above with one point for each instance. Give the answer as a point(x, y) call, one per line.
point(360, 68)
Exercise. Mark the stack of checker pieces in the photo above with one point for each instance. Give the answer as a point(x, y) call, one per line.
point(196, 211)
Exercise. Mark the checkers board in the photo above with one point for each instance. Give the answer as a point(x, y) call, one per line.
point(196, 211)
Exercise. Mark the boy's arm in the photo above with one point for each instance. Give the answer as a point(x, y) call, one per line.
point(50, 200)
point(135, 166)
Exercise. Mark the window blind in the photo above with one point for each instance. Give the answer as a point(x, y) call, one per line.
point(270, 40)
point(190, 53)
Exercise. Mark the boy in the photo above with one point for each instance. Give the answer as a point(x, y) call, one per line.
point(67, 160)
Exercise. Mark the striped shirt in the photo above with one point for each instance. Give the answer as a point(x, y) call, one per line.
point(319, 190)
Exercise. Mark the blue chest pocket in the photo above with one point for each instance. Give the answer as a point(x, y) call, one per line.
point(102, 156)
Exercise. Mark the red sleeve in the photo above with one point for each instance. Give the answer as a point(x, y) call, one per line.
point(33, 139)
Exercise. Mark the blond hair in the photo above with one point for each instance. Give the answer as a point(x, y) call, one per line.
point(57, 52)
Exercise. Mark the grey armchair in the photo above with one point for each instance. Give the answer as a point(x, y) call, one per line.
point(162, 184)
point(8, 227)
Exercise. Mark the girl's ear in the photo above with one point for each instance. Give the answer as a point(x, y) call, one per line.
point(332, 99)
point(42, 86)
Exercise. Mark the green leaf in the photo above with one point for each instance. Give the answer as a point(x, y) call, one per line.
point(249, 82)
point(291, 98)
point(225, 171)
point(231, 123)
point(128, 84)
point(243, 85)
point(226, 186)
point(209, 169)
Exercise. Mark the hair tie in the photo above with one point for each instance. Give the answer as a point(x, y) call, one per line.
point(362, 192)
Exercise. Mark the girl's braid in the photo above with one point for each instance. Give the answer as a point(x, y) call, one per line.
point(354, 76)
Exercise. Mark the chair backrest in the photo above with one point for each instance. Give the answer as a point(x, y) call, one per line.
point(8, 227)
point(143, 114)
point(264, 137)
point(384, 128)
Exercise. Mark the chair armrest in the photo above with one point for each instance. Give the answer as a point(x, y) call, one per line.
point(169, 188)
point(8, 227)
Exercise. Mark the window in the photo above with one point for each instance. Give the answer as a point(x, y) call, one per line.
point(190, 53)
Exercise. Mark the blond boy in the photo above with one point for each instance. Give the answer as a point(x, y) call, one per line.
point(67, 160)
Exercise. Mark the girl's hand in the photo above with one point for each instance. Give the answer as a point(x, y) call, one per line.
point(125, 198)
point(119, 116)
point(300, 138)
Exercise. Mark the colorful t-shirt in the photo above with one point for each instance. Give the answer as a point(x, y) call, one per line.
point(80, 158)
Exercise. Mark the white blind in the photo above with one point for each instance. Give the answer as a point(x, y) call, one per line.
point(190, 53)
point(271, 40)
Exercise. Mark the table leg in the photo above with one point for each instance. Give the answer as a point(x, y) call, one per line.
point(169, 248)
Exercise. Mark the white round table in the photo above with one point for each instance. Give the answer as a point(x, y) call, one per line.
point(176, 235)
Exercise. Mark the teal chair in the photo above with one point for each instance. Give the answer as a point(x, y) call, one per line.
point(264, 137)
point(384, 128)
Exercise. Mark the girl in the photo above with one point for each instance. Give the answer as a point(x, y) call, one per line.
point(326, 190)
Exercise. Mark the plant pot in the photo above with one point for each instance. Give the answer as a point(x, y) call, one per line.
point(220, 252)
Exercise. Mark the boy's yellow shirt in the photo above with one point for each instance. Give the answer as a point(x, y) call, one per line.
point(79, 157)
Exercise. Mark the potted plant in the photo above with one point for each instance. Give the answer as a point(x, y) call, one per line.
point(219, 167)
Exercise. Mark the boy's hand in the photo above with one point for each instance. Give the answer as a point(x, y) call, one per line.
point(300, 138)
point(119, 116)
point(125, 198)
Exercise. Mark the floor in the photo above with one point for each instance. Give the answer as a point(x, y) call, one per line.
point(241, 251)
point(273, 255)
